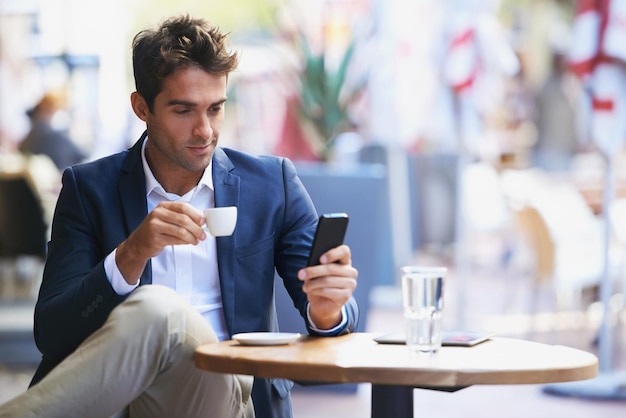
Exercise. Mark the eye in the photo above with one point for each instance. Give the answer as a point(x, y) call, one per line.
point(216, 108)
point(181, 111)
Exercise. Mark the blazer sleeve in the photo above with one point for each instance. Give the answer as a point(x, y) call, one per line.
point(296, 239)
point(75, 297)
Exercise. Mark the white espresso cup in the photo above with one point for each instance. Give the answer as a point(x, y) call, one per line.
point(221, 221)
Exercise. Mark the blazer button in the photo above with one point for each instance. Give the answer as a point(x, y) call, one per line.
point(84, 314)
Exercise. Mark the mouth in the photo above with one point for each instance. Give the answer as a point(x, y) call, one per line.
point(203, 148)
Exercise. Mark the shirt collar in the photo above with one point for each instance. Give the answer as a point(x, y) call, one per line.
point(152, 183)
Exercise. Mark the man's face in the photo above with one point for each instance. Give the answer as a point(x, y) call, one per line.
point(184, 127)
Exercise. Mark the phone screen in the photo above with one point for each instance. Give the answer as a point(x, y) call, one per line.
point(330, 233)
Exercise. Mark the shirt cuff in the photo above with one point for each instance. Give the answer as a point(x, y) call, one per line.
point(115, 277)
point(332, 331)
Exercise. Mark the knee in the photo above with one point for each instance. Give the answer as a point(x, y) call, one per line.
point(154, 307)
point(153, 301)
point(157, 296)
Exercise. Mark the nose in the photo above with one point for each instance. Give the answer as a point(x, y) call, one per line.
point(203, 128)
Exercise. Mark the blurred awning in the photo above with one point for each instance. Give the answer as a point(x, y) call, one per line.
point(597, 56)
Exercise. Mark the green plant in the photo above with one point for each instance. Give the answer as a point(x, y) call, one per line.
point(325, 95)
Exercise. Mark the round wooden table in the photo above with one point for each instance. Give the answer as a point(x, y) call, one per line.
point(394, 371)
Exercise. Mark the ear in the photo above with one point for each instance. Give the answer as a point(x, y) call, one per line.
point(139, 105)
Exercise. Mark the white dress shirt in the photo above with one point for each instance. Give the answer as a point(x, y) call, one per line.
point(178, 266)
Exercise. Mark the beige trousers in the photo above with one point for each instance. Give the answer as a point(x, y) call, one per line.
point(140, 362)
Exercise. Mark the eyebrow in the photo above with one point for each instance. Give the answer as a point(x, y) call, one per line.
point(175, 102)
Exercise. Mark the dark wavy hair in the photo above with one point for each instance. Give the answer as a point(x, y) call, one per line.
point(179, 43)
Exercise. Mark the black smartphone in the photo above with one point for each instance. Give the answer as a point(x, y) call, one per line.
point(330, 232)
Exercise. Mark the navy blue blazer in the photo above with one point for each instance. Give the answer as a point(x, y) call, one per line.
point(103, 201)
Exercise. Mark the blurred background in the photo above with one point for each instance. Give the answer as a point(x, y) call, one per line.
point(482, 135)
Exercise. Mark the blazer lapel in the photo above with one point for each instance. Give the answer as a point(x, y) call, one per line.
point(226, 185)
point(132, 189)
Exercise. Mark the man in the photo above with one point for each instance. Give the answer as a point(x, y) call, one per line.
point(128, 229)
point(44, 139)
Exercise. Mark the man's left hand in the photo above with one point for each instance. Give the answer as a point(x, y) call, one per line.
point(329, 286)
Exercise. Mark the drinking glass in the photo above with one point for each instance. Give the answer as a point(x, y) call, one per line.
point(422, 300)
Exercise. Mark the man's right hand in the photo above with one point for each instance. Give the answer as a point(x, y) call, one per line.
point(170, 223)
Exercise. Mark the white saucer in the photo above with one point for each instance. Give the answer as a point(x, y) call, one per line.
point(266, 338)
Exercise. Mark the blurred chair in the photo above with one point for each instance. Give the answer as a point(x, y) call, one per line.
point(566, 268)
point(535, 234)
point(23, 233)
point(564, 237)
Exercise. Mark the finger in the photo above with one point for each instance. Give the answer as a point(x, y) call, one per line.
point(185, 209)
point(161, 228)
point(336, 296)
point(330, 282)
point(163, 233)
point(328, 270)
point(186, 234)
point(340, 254)
point(176, 215)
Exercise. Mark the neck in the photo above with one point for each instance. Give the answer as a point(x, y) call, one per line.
point(173, 179)
point(176, 182)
